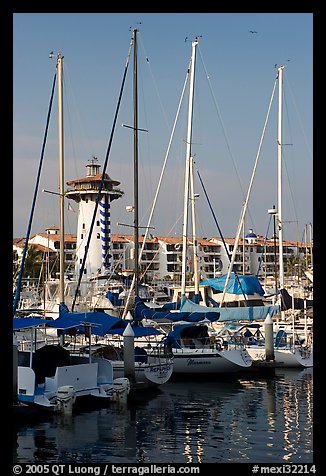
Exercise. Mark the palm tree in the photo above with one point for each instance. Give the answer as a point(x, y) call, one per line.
point(295, 264)
point(33, 262)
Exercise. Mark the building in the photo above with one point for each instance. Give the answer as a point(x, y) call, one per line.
point(84, 191)
point(18, 248)
point(49, 243)
point(161, 257)
point(259, 255)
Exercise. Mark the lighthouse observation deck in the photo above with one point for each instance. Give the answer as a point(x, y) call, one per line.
point(87, 187)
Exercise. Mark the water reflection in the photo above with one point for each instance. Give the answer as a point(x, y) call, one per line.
point(248, 419)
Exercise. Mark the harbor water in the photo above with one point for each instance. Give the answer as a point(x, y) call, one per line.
point(244, 419)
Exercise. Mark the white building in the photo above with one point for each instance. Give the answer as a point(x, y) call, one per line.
point(18, 248)
point(84, 191)
point(161, 257)
point(50, 241)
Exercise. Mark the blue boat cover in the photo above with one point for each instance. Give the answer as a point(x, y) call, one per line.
point(139, 331)
point(249, 284)
point(192, 331)
point(26, 322)
point(100, 322)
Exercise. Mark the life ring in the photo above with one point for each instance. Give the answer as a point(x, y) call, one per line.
point(177, 246)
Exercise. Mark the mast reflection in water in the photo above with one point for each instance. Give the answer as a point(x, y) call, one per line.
point(247, 419)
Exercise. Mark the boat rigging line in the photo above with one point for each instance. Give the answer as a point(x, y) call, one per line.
point(245, 203)
point(221, 234)
point(159, 184)
point(221, 121)
point(81, 271)
point(18, 286)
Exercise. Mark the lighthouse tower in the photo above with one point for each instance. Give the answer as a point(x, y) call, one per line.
point(85, 191)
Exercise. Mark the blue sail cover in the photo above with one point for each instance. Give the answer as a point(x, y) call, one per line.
point(250, 313)
point(144, 312)
point(171, 306)
point(249, 284)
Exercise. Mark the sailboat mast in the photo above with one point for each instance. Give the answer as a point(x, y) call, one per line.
point(61, 175)
point(135, 127)
point(194, 231)
point(187, 171)
point(279, 177)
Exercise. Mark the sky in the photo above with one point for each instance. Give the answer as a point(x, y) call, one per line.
point(236, 68)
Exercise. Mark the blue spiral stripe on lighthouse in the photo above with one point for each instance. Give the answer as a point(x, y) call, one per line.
point(105, 231)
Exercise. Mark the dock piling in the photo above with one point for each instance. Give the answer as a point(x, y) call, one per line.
point(269, 339)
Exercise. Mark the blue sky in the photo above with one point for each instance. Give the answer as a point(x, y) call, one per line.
point(235, 75)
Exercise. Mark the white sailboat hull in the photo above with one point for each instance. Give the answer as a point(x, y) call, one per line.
point(284, 357)
point(151, 374)
point(209, 361)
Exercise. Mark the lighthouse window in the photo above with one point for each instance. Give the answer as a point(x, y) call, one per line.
point(98, 223)
point(98, 236)
point(81, 236)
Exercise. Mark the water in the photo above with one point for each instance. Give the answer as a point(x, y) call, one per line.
point(248, 419)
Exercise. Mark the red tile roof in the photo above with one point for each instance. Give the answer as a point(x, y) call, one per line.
point(118, 237)
point(94, 178)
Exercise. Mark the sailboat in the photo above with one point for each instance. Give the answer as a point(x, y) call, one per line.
point(66, 379)
point(148, 370)
point(289, 349)
point(191, 343)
